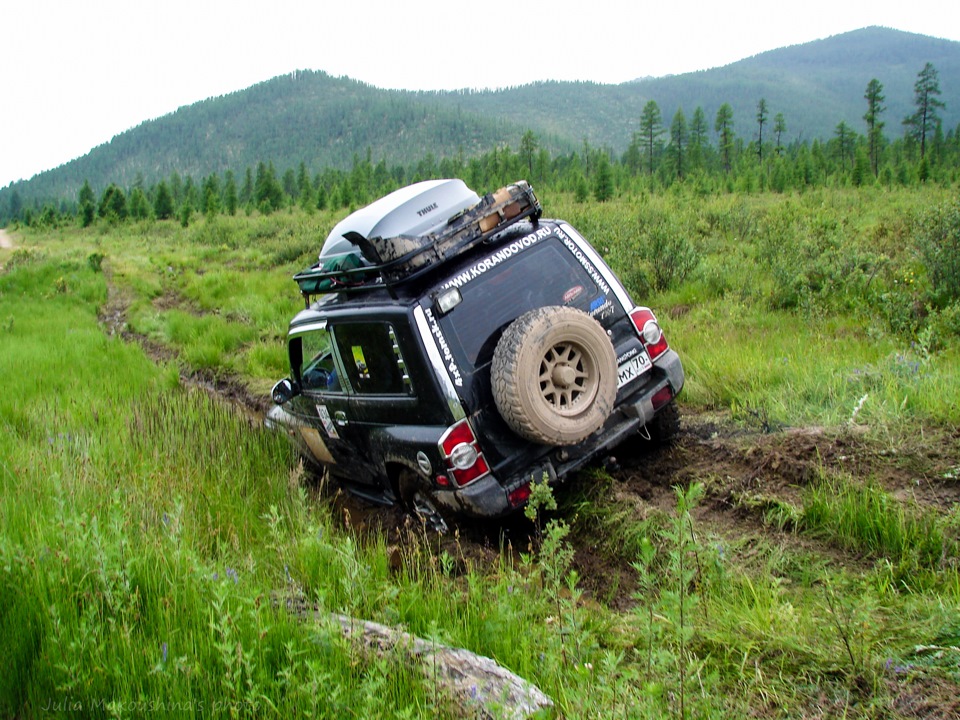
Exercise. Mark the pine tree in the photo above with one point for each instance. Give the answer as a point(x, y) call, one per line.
point(230, 199)
point(603, 180)
point(697, 137)
point(779, 127)
point(761, 121)
point(723, 125)
point(921, 124)
point(139, 205)
point(246, 193)
point(113, 204)
point(845, 139)
point(163, 202)
point(528, 148)
point(651, 128)
point(88, 209)
point(874, 97)
point(678, 140)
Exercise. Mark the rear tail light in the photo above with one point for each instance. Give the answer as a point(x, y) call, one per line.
point(649, 331)
point(462, 455)
point(518, 496)
point(661, 397)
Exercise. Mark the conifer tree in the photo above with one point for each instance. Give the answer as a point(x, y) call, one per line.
point(113, 204)
point(761, 121)
point(87, 202)
point(230, 199)
point(779, 127)
point(874, 97)
point(528, 148)
point(922, 123)
point(697, 137)
point(678, 140)
point(723, 125)
point(651, 128)
point(844, 143)
point(139, 205)
point(163, 202)
point(603, 179)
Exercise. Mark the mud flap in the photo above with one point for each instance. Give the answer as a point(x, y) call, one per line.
point(317, 446)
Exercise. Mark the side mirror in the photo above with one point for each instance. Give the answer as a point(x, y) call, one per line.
point(283, 391)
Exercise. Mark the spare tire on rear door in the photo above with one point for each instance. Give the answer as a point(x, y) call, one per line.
point(554, 375)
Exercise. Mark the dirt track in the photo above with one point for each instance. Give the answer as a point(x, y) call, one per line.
point(5, 241)
point(746, 473)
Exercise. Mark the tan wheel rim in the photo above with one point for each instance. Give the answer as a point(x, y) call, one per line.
point(568, 378)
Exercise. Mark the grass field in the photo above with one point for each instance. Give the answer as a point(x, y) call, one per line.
point(794, 555)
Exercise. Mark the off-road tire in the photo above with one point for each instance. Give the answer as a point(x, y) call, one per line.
point(415, 499)
point(554, 375)
point(665, 424)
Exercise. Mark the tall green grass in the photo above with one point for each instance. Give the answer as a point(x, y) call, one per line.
point(864, 517)
point(138, 558)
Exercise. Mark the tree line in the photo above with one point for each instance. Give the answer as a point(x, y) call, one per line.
point(708, 156)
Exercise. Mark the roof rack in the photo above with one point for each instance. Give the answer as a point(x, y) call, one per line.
point(389, 262)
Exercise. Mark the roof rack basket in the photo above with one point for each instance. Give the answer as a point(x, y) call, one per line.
point(388, 262)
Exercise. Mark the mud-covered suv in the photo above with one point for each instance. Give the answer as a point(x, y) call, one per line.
point(462, 348)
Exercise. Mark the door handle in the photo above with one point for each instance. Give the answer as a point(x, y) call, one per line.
point(340, 418)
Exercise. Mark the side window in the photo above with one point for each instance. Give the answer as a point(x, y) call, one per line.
point(371, 358)
point(317, 369)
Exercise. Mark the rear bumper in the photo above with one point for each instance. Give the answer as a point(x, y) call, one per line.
point(641, 406)
point(488, 497)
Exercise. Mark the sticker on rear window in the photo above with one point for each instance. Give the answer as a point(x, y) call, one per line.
point(572, 294)
point(491, 261)
point(602, 309)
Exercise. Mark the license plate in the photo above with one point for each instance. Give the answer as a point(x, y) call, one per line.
point(632, 369)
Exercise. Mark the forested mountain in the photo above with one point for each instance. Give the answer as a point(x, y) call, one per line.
point(815, 85)
point(322, 121)
point(304, 116)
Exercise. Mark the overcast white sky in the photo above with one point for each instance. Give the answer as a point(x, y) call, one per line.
point(75, 73)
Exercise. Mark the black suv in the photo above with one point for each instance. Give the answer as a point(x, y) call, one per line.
point(462, 348)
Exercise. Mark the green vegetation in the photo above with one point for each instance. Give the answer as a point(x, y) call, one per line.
point(150, 533)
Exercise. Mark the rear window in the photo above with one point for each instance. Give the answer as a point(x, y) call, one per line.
point(546, 274)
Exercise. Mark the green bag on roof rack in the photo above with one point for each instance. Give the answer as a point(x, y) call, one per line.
point(335, 273)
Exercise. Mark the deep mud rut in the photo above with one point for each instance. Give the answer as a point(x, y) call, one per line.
point(745, 473)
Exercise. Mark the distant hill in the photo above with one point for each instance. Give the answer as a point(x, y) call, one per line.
point(324, 121)
point(814, 85)
point(304, 116)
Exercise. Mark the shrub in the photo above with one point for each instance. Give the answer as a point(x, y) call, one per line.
point(938, 243)
point(671, 254)
point(95, 261)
